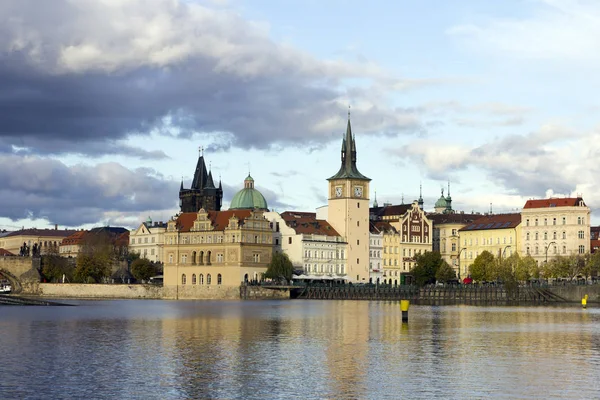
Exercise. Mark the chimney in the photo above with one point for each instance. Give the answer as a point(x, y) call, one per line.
point(55, 227)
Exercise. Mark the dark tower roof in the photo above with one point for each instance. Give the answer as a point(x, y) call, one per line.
point(200, 176)
point(348, 168)
point(209, 182)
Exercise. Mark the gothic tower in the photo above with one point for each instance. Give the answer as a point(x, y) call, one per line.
point(203, 193)
point(348, 209)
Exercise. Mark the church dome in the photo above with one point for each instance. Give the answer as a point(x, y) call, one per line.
point(248, 197)
point(441, 203)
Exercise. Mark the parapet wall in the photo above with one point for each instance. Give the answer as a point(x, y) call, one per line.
point(16, 265)
point(85, 290)
point(575, 293)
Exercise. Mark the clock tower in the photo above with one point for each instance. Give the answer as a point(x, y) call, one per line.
point(348, 210)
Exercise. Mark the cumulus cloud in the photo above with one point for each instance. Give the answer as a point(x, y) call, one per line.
point(41, 188)
point(553, 158)
point(74, 73)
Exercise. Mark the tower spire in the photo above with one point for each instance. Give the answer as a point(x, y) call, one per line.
point(375, 201)
point(420, 201)
point(348, 169)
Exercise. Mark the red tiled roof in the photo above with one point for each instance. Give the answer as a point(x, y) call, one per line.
point(594, 245)
point(555, 202)
point(219, 219)
point(495, 221)
point(4, 252)
point(74, 239)
point(308, 224)
point(123, 239)
point(387, 211)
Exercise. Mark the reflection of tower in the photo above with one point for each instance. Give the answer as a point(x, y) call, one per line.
point(348, 209)
point(347, 355)
point(202, 193)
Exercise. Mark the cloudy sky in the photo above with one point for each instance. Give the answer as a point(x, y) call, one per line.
point(104, 103)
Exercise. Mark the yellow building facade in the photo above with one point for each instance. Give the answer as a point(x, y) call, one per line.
point(215, 248)
point(499, 234)
point(48, 240)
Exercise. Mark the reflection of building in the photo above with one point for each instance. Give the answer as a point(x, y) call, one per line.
point(554, 227)
point(148, 239)
point(202, 193)
point(348, 209)
point(445, 235)
point(47, 239)
point(311, 244)
point(215, 248)
point(498, 234)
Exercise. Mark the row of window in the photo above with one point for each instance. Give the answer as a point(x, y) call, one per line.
point(580, 235)
point(536, 249)
point(339, 254)
point(487, 242)
point(139, 240)
point(324, 269)
point(200, 280)
point(580, 221)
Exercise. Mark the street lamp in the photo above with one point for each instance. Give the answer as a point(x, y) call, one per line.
point(547, 247)
point(460, 251)
point(504, 251)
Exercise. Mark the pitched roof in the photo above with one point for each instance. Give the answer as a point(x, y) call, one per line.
point(219, 219)
point(553, 202)
point(42, 232)
point(4, 252)
point(308, 224)
point(388, 211)
point(74, 239)
point(494, 221)
point(453, 218)
point(381, 226)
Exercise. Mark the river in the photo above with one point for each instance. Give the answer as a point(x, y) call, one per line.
point(130, 349)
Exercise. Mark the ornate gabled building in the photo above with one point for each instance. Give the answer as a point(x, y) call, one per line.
point(209, 253)
point(203, 193)
point(348, 209)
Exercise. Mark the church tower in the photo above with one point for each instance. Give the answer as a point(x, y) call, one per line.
point(203, 193)
point(348, 209)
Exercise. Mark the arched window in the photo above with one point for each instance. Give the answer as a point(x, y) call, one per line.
point(201, 259)
point(208, 256)
point(208, 279)
point(193, 260)
point(193, 279)
point(201, 279)
point(219, 279)
point(246, 278)
point(183, 279)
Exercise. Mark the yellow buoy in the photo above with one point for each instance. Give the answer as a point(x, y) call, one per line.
point(584, 301)
point(404, 304)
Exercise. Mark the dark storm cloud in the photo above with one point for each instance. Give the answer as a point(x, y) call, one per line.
point(76, 74)
point(44, 188)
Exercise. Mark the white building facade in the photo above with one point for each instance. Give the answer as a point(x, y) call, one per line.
point(148, 240)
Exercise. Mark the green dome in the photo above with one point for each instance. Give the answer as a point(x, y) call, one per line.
point(441, 203)
point(248, 197)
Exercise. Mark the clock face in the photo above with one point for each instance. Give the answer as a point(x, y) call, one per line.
point(358, 191)
point(338, 191)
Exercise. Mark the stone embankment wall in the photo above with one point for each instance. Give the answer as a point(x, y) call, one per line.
point(260, 293)
point(84, 290)
point(202, 292)
point(575, 293)
point(15, 265)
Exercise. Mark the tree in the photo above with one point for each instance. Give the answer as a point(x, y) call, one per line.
point(142, 269)
point(91, 269)
point(445, 273)
point(427, 264)
point(54, 266)
point(280, 267)
point(528, 263)
point(482, 268)
point(592, 266)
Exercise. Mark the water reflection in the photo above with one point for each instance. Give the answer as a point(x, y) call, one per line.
point(307, 349)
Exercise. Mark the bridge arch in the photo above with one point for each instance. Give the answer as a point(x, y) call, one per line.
point(15, 282)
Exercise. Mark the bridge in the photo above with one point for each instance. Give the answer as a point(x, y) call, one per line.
point(21, 272)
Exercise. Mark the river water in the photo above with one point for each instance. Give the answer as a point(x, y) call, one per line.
point(130, 349)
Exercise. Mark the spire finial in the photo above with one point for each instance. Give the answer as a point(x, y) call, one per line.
point(402, 198)
point(420, 189)
point(448, 187)
point(201, 151)
point(209, 166)
point(348, 112)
